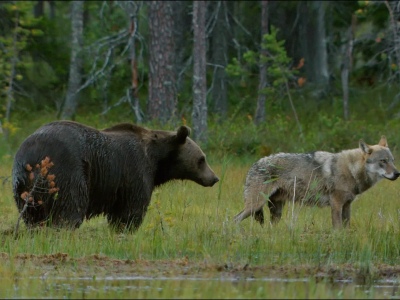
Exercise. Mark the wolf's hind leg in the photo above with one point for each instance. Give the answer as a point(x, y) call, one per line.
point(259, 216)
point(275, 208)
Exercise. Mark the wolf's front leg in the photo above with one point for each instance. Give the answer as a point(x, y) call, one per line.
point(346, 211)
point(336, 210)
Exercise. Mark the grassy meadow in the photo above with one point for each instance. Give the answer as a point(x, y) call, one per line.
point(188, 233)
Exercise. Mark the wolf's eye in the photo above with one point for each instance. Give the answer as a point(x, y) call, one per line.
point(384, 161)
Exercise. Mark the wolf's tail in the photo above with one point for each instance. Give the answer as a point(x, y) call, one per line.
point(239, 217)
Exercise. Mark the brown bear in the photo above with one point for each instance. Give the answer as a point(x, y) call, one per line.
point(111, 171)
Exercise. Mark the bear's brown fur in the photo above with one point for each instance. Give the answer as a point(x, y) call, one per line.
point(112, 171)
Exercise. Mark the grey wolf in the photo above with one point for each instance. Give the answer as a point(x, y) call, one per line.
point(316, 178)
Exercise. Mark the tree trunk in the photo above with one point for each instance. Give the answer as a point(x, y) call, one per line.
point(313, 32)
point(346, 66)
point(162, 82)
point(180, 28)
point(394, 10)
point(321, 56)
point(75, 75)
point(303, 36)
point(10, 89)
point(133, 93)
point(52, 10)
point(199, 72)
point(262, 84)
point(38, 9)
point(220, 60)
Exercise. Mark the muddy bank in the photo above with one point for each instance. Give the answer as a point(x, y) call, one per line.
point(61, 264)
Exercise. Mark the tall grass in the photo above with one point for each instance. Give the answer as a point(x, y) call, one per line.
point(197, 231)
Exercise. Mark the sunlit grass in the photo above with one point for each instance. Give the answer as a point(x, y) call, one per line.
point(187, 219)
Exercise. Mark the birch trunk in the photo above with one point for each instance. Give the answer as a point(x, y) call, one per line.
point(199, 72)
point(346, 66)
point(75, 76)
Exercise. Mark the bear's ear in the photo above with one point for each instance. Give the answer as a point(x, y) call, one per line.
point(365, 148)
point(182, 133)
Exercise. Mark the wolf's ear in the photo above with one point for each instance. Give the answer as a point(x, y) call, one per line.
point(365, 148)
point(383, 142)
point(182, 133)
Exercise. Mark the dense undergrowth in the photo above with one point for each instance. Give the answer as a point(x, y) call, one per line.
point(321, 117)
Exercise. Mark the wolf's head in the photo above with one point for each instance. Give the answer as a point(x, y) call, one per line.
point(379, 160)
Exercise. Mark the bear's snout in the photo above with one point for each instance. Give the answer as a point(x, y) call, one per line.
point(210, 183)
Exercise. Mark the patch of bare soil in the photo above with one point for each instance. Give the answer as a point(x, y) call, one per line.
point(61, 264)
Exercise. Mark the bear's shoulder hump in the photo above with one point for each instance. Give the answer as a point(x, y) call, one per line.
point(126, 128)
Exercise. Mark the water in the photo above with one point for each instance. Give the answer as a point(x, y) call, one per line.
point(192, 287)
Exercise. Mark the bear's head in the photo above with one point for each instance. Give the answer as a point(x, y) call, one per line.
point(182, 158)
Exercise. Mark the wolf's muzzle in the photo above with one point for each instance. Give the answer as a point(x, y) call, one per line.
point(394, 177)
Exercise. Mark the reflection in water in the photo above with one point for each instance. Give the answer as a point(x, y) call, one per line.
point(192, 287)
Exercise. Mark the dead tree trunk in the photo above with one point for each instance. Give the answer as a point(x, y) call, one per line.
point(262, 84)
point(220, 60)
point(346, 66)
point(199, 72)
point(162, 82)
point(133, 93)
point(75, 76)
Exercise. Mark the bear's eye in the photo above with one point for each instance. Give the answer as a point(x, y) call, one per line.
point(201, 161)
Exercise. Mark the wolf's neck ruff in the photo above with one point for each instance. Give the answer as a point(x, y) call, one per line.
point(357, 168)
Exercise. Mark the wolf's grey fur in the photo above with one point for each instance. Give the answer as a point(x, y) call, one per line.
point(316, 178)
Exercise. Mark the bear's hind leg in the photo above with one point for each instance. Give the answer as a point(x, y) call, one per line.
point(70, 207)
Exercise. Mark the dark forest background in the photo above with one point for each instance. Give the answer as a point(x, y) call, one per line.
point(249, 77)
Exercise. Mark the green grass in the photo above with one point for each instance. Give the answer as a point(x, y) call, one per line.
point(188, 221)
point(188, 230)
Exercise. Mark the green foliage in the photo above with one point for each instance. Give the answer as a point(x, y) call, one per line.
point(13, 43)
point(275, 56)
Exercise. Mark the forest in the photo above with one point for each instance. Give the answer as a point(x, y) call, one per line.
point(251, 79)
